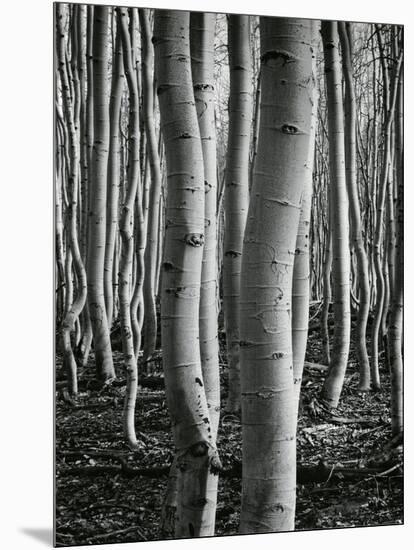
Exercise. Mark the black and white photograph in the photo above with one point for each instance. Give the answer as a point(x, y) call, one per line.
point(206, 309)
point(228, 269)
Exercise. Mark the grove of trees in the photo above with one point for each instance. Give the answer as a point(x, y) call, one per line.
point(226, 187)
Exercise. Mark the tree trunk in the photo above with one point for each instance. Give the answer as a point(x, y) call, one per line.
point(150, 258)
point(396, 314)
point(332, 387)
point(98, 187)
point(390, 95)
point(113, 172)
point(355, 214)
point(300, 284)
point(181, 274)
point(236, 198)
point(126, 229)
point(267, 389)
point(73, 312)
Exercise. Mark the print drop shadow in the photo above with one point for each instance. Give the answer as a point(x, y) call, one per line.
point(44, 535)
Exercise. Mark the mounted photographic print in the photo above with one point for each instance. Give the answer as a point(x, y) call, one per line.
point(229, 274)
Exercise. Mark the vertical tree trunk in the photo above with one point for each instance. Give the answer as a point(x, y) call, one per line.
point(396, 314)
point(267, 389)
point(300, 284)
point(327, 297)
point(126, 229)
point(332, 387)
point(181, 275)
point(113, 172)
point(83, 36)
point(202, 27)
point(59, 242)
point(98, 187)
point(150, 258)
point(355, 214)
point(85, 344)
point(236, 192)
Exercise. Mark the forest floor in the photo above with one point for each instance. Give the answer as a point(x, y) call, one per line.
point(108, 494)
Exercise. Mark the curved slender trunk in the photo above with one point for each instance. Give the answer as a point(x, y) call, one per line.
point(181, 274)
point(341, 262)
point(126, 228)
point(390, 95)
point(267, 388)
point(59, 242)
point(236, 192)
point(150, 257)
point(74, 311)
point(355, 215)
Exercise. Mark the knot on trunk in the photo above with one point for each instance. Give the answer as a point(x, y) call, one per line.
point(194, 239)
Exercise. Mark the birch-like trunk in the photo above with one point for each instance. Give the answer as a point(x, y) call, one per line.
point(356, 239)
point(150, 258)
point(126, 228)
point(98, 195)
point(267, 388)
point(339, 223)
point(75, 308)
point(300, 284)
point(114, 173)
point(390, 96)
point(202, 27)
point(236, 192)
point(396, 314)
point(181, 275)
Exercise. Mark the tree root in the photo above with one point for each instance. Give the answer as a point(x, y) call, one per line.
point(318, 408)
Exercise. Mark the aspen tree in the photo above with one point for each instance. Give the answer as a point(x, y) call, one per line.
point(150, 258)
point(332, 387)
point(113, 171)
point(81, 37)
point(126, 231)
point(59, 244)
point(202, 26)
point(83, 30)
point(98, 187)
point(181, 275)
point(86, 158)
point(236, 191)
point(267, 388)
point(396, 313)
point(140, 235)
point(354, 209)
point(390, 96)
point(300, 284)
point(73, 312)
